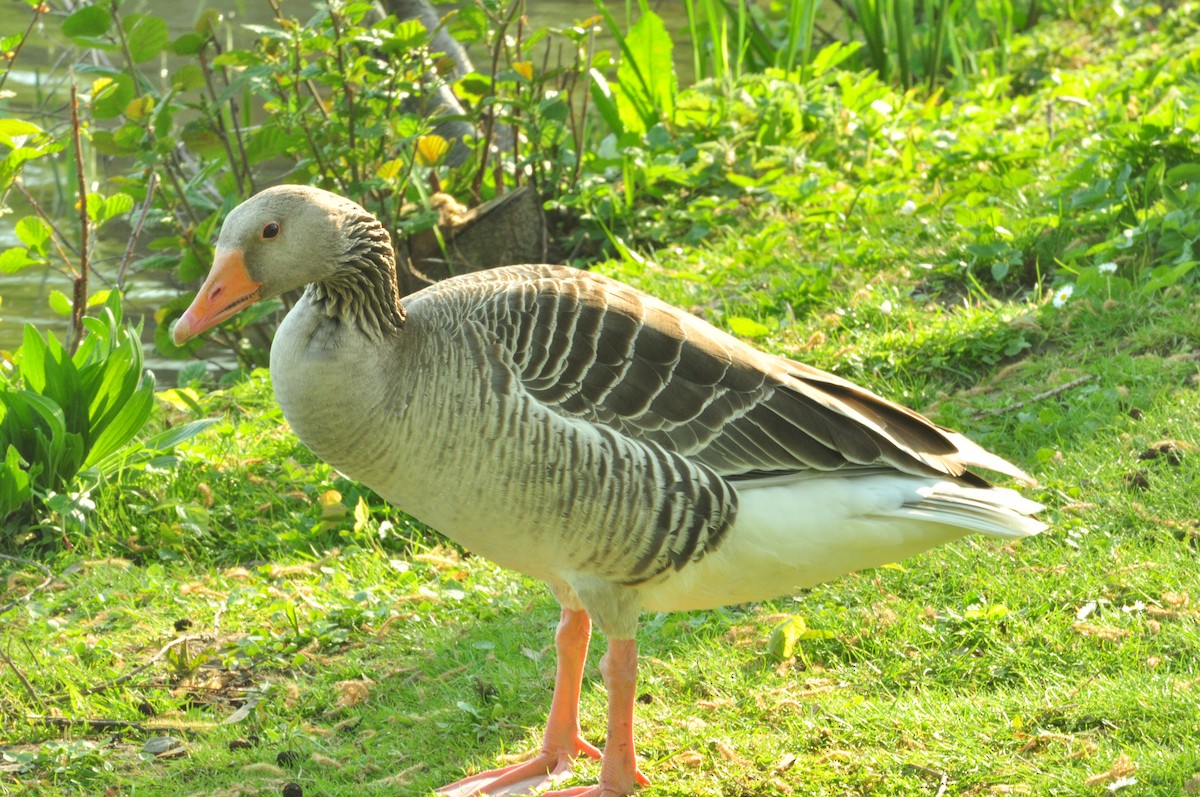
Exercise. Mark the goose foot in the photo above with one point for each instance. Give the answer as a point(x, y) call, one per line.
point(528, 777)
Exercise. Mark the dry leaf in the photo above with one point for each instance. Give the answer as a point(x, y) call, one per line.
point(688, 758)
point(1106, 633)
point(351, 693)
point(1122, 768)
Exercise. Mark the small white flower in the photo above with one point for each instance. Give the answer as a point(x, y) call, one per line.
point(881, 107)
point(908, 208)
point(886, 307)
point(1107, 268)
point(1062, 295)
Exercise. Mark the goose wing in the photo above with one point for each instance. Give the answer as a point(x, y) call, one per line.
point(594, 349)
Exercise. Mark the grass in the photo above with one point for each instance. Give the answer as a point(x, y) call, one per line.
point(385, 665)
point(282, 625)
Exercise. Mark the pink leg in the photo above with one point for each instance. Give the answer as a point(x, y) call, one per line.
point(562, 742)
point(618, 772)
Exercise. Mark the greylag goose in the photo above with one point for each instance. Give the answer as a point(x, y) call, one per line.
point(572, 428)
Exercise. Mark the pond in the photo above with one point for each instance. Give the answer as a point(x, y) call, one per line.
point(39, 81)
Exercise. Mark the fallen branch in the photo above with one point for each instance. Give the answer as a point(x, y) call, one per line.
point(140, 668)
point(105, 724)
point(1045, 394)
point(49, 578)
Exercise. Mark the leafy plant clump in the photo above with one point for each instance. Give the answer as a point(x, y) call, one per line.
point(62, 415)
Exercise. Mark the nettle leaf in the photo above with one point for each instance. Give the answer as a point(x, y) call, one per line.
point(14, 132)
point(469, 25)
point(408, 35)
point(110, 95)
point(15, 259)
point(147, 36)
point(188, 77)
point(95, 203)
point(269, 142)
point(189, 44)
point(116, 205)
point(59, 302)
point(88, 21)
point(34, 232)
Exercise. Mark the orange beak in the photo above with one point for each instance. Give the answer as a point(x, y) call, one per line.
point(227, 291)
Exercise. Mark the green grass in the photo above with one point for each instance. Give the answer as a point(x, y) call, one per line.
point(376, 660)
point(970, 662)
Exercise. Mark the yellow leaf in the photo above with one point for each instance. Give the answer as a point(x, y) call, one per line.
point(182, 398)
point(524, 69)
point(330, 502)
point(431, 149)
point(390, 170)
point(139, 108)
point(785, 635)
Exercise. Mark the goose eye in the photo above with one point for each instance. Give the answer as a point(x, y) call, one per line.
point(271, 230)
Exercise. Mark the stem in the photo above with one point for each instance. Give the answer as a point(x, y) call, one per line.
point(38, 10)
point(347, 88)
point(151, 185)
point(242, 176)
point(79, 299)
point(59, 240)
point(490, 122)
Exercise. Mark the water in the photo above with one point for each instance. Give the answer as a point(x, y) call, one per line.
point(41, 81)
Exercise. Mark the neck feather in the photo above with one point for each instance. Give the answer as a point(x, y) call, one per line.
point(363, 291)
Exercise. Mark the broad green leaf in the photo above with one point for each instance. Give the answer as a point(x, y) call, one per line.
point(188, 77)
point(147, 35)
point(90, 21)
point(646, 76)
point(468, 24)
point(268, 142)
point(59, 302)
point(189, 44)
point(34, 232)
point(409, 34)
point(1183, 173)
point(13, 129)
point(605, 102)
point(15, 487)
point(110, 95)
point(115, 205)
point(15, 259)
point(123, 426)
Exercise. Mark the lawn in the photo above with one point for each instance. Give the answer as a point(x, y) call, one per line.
point(1011, 257)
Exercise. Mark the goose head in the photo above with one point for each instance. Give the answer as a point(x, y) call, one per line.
point(280, 239)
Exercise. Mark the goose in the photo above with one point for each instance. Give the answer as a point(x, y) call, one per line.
point(567, 426)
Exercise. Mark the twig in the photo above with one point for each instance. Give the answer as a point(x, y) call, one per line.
point(582, 123)
point(490, 122)
point(49, 578)
point(127, 676)
point(58, 239)
point(38, 10)
point(80, 294)
point(943, 778)
point(222, 131)
point(347, 89)
point(24, 681)
point(151, 185)
point(1045, 394)
point(102, 724)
